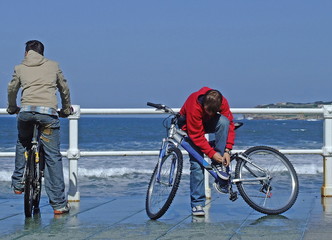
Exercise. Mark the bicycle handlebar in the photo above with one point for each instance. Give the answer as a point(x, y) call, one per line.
point(161, 107)
point(158, 106)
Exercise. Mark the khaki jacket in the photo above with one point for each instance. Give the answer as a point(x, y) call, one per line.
point(39, 79)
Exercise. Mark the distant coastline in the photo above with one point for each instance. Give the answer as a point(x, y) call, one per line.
point(317, 104)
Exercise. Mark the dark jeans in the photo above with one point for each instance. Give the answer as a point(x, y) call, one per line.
point(50, 139)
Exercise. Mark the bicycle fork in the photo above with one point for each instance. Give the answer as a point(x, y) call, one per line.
point(162, 154)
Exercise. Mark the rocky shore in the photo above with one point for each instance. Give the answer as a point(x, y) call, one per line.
point(317, 104)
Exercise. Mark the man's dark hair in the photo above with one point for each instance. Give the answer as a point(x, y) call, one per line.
point(35, 45)
point(212, 100)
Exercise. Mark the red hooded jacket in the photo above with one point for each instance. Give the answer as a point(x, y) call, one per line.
point(195, 115)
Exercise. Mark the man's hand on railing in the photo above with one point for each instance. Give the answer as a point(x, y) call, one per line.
point(65, 112)
point(13, 110)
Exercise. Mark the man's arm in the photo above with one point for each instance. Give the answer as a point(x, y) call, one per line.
point(63, 88)
point(195, 130)
point(13, 87)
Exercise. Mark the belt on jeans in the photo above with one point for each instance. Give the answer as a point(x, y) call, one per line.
point(39, 109)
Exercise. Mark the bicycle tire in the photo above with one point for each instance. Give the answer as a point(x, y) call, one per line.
point(28, 187)
point(38, 182)
point(273, 196)
point(160, 194)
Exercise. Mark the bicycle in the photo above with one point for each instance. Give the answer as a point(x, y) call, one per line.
point(33, 173)
point(264, 177)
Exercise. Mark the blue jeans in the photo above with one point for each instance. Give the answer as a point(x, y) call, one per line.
point(50, 139)
point(219, 126)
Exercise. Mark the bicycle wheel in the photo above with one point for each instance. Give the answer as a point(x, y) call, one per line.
point(164, 183)
point(38, 181)
point(28, 187)
point(276, 193)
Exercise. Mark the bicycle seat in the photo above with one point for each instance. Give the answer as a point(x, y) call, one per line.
point(237, 125)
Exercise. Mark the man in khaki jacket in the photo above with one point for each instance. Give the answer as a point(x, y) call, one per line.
point(40, 78)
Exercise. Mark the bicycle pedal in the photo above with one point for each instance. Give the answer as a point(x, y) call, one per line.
point(233, 196)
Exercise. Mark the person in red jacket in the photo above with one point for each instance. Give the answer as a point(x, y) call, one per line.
point(207, 111)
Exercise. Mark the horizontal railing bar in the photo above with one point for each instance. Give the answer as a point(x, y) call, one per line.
point(156, 153)
point(85, 111)
point(118, 153)
point(7, 154)
point(278, 110)
point(233, 110)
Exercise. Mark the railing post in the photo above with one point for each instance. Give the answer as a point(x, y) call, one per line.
point(326, 189)
point(73, 155)
point(206, 176)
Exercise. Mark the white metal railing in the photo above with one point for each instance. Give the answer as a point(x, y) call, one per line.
point(73, 153)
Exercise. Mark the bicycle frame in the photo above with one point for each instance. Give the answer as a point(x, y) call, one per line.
point(37, 147)
point(178, 137)
point(246, 159)
point(34, 147)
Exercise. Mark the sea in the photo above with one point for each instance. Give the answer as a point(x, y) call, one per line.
point(129, 175)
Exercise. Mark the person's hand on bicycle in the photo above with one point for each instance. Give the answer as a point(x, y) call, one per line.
point(226, 159)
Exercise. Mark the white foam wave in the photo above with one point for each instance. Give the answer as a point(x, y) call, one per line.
point(110, 172)
point(5, 176)
point(298, 130)
point(116, 172)
point(8, 149)
point(308, 169)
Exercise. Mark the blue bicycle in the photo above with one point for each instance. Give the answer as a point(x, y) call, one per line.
point(265, 178)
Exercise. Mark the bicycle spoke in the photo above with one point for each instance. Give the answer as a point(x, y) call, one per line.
point(278, 192)
point(161, 191)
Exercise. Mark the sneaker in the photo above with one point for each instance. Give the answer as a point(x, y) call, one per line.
point(221, 170)
point(62, 210)
point(198, 211)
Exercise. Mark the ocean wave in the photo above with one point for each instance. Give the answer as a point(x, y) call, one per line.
point(115, 172)
point(308, 169)
point(5, 176)
point(104, 173)
point(8, 148)
point(110, 172)
point(298, 130)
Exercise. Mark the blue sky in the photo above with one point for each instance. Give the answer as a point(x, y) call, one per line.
point(124, 53)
